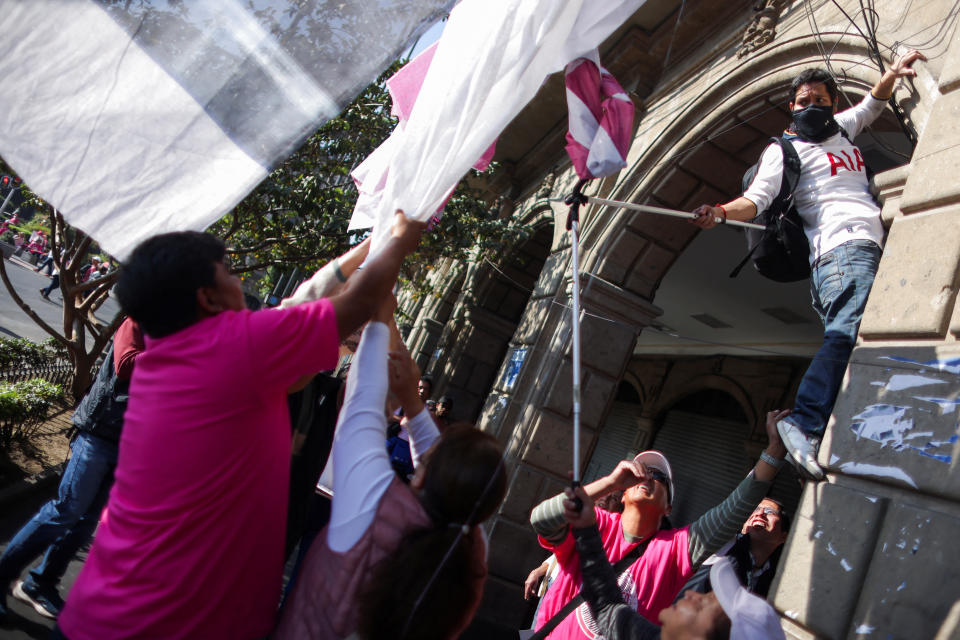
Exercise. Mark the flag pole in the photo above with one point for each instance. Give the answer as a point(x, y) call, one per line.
point(645, 208)
point(576, 199)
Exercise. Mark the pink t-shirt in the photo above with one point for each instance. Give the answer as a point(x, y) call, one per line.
point(190, 544)
point(649, 586)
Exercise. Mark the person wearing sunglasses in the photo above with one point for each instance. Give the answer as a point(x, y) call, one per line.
point(660, 559)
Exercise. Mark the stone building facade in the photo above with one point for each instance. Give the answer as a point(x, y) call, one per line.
point(870, 552)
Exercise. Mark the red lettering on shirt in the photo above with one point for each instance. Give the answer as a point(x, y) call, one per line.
point(836, 163)
point(849, 160)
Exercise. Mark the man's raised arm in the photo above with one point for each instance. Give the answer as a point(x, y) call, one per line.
point(368, 287)
point(718, 525)
point(547, 517)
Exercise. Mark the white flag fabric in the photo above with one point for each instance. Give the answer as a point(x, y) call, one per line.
point(490, 61)
point(138, 118)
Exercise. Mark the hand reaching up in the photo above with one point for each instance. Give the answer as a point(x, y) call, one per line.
point(578, 514)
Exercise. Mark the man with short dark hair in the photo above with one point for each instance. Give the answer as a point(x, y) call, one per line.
point(425, 387)
point(193, 542)
point(842, 224)
point(444, 411)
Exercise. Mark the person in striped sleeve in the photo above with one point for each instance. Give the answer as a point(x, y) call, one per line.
point(671, 556)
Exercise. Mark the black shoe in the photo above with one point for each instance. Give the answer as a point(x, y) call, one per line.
point(45, 600)
point(45, 296)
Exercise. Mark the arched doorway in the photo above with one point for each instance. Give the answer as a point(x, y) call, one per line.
point(705, 435)
point(476, 339)
point(619, 438)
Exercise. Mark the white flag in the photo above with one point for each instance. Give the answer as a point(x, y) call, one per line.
point(490, 62)
point(138, 118)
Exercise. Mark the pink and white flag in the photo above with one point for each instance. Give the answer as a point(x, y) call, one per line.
point(404, 87)
point(601, 119)
point(492, 59)
point(370, 176)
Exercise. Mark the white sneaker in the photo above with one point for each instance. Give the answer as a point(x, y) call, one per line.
point(801, 449)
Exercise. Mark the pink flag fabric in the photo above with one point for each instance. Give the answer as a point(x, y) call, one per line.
point(404, 86)
point(371, 177)
point(601, 120)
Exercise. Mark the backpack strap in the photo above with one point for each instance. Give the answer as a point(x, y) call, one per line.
point(622, 565)
point(791, 172)
point(789, 178)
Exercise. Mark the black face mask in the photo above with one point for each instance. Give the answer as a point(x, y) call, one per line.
point(815, 124)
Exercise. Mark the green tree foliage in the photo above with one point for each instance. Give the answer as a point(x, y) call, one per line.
point(81, 300)
point(298, 216)
point(20, 352)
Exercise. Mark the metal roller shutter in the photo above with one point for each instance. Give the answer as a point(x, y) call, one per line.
point(708, 460)
point(615, 441)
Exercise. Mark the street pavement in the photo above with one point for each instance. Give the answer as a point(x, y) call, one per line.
point(22, 622)
point(14, 323)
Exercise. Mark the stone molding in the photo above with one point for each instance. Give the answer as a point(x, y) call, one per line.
point(763, 27)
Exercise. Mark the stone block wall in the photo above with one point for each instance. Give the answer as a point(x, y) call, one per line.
point(873, 551)
point(869, 555)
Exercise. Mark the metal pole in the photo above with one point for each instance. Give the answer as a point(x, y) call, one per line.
point(3, 207)
point(573, 223)
point(669, 212)
point(574, 237)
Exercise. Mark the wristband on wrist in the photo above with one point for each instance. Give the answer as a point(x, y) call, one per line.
point(770, 460)
point(337, 271)
point(723, 211)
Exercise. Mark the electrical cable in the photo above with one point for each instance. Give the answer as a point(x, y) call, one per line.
point(676, 25)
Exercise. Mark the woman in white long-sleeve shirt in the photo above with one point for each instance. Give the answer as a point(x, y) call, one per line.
point(396, 560)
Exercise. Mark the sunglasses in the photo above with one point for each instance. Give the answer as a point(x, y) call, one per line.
point(768, 511)
point(659, 476)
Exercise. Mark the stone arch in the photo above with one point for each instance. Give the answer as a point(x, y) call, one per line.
point(705, 383)
point(433, 314)
point(478, 335)
point(747, 105)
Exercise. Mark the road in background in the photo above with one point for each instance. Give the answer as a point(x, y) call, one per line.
point(14, 323)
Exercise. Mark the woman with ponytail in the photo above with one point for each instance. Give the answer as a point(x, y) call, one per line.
point(397, 561)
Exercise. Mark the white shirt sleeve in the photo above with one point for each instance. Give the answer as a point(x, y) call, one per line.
point(423, 433)
point(860, 115)
point(361, 469)
point(766, 183)
point(320, 285)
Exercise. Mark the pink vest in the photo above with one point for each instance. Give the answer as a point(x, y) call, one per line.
point(324, 601)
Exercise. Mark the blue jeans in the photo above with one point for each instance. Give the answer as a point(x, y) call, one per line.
point(46, 262)
point(67, 522)
point(54, 284)
point(839, 284)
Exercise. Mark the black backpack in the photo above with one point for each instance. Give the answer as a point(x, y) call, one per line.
point(780, 250)
point(100, 412)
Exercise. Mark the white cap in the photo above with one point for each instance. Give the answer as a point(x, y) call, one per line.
point(656, 460)
point(751, 617)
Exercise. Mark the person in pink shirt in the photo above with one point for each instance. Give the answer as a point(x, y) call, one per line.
point(666, 557)
point(191, 542)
